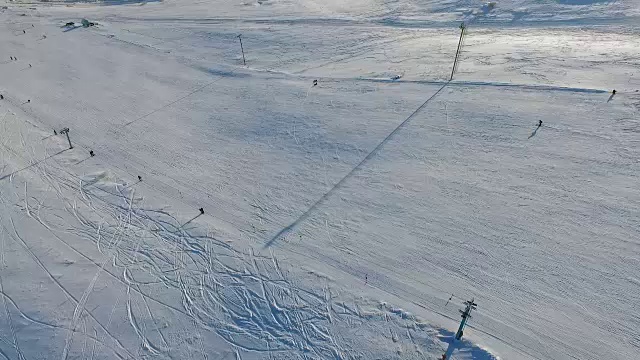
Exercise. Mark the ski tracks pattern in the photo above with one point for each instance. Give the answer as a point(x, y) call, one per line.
point(167, 272)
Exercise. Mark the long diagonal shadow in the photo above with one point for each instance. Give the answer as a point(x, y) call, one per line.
point(373, 152)
point(32, 165)
point(188, 222)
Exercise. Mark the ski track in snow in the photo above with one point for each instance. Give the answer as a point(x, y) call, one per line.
point(127, 280)
point(243, 297)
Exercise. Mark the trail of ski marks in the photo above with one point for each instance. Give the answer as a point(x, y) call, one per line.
point(210, 288)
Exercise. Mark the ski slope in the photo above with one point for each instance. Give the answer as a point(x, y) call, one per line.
point(338, 218)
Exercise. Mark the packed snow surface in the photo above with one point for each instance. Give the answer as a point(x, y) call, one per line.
point(338, 219)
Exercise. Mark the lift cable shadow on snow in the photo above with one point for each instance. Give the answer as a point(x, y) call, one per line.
point(373, 152)
point(32, 165)
point(171, 103)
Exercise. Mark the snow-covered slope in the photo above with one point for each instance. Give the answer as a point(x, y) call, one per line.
point(338, 218)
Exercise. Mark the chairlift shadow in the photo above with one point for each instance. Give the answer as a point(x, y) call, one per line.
point(32, 165)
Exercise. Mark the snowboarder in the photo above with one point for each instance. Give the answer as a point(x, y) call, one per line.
point(201, 211)
point(91, 153)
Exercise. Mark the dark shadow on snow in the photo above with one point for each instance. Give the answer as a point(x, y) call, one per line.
point(534, 132)
point(463, 346)
point(32, 165)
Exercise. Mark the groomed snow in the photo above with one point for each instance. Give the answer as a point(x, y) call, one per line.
point(339, 218)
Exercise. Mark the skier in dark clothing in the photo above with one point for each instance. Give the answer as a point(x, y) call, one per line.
point(539, 123)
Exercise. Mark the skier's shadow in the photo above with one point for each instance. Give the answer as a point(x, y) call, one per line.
point(83, 160)
point(611, 97)
point(70, 28)
point(534, 132)
point(188, 222)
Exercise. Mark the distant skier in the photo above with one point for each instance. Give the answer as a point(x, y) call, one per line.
point(201, 211)
point(24, 31)
point(451, 297)
point(614, 91)
point(139, 178)
point(1, 97)
point(29, 65)
point(315, 82)
point(55, 132)
point(91, 153)
point(535, 131)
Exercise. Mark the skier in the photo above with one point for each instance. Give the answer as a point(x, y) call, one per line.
point(91, 153)
point(29, 65)
point(613, 92)
point(201, 211)
point(539, 123)
point(139, 178)
point(315, 82)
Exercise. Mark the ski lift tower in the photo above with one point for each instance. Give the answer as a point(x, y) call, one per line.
point(466, 315)
point(66, 132)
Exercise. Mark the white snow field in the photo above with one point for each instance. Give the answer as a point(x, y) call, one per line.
point(338, 219)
